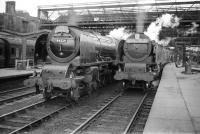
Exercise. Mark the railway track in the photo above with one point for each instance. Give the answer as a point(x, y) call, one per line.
point(120, 113)
point(12, 82)
point(16, 94)
point(24, 118)
point(137, 123)
point(114, 116)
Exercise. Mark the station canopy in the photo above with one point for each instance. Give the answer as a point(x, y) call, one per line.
point(105, 16)
point(118, 12)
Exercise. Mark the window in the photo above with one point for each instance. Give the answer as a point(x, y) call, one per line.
point(1, 51)
point(12, 51)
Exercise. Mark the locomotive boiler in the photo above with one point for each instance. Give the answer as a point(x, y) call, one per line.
point(140, 61)
point(80, 62)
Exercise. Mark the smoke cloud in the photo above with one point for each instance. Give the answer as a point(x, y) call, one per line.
point(119, 33)
point(70, 17)
point(73, 18)
point(192, 30)
point(154, 29)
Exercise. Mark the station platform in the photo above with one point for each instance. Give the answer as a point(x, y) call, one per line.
point(12, 72)
point(176, 107)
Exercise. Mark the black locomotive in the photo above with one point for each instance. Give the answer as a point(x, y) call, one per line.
point(140, 61)
point(78, 62)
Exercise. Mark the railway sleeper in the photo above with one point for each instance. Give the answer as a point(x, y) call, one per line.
point(145, 110)
point(26, 117)
point(147, 107)
point(18, 121)
point(144, 114)
point(137, 129)
point(112, 120)
point(12, 124)
point(77, 123)
point(114, 116)
point(103, 128)
point(2, 126)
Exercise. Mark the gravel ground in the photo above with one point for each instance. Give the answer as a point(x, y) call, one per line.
point(71, 118)
point(11, 83)
point(17, 93)
point(9, 107)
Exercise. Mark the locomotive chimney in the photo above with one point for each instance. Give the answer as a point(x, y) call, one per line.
point(10, 7)
point(141, 16)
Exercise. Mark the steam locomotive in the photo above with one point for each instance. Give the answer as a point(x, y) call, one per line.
point(11, 49)
point(77, 62)
point(140, 61)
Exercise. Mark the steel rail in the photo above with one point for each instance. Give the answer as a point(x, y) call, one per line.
point(134, 116)
point(21, 109)
point(16, 97)
point(12, 90)
point(10, 98)
point(2, 117)
point(84, 124)
point(40, 119)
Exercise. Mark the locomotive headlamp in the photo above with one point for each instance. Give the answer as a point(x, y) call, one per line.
point(61, 53)
point(154, 73)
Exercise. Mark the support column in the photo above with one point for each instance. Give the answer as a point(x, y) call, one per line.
point(188, 69)
point(24, 45)
point(184, 54)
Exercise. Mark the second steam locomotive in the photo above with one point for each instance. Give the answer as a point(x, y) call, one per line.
point(140, 61)
point(80, 62)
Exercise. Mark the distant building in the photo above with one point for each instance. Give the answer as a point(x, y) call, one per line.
point(17, 21)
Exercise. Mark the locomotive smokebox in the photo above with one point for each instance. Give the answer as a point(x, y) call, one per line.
point(137, 47)
point(62, 45)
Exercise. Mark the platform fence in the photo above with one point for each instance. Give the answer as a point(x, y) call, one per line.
point(24, 64)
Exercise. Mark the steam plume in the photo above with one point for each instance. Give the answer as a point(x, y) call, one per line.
point(154, 29)
point(119, 33)
point(192, 30)
point(72, 18)
point(140, 22)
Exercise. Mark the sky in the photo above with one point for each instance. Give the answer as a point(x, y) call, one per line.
point(31, 6)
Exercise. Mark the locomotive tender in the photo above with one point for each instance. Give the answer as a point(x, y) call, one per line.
point(80, 62)
point(140, 61)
